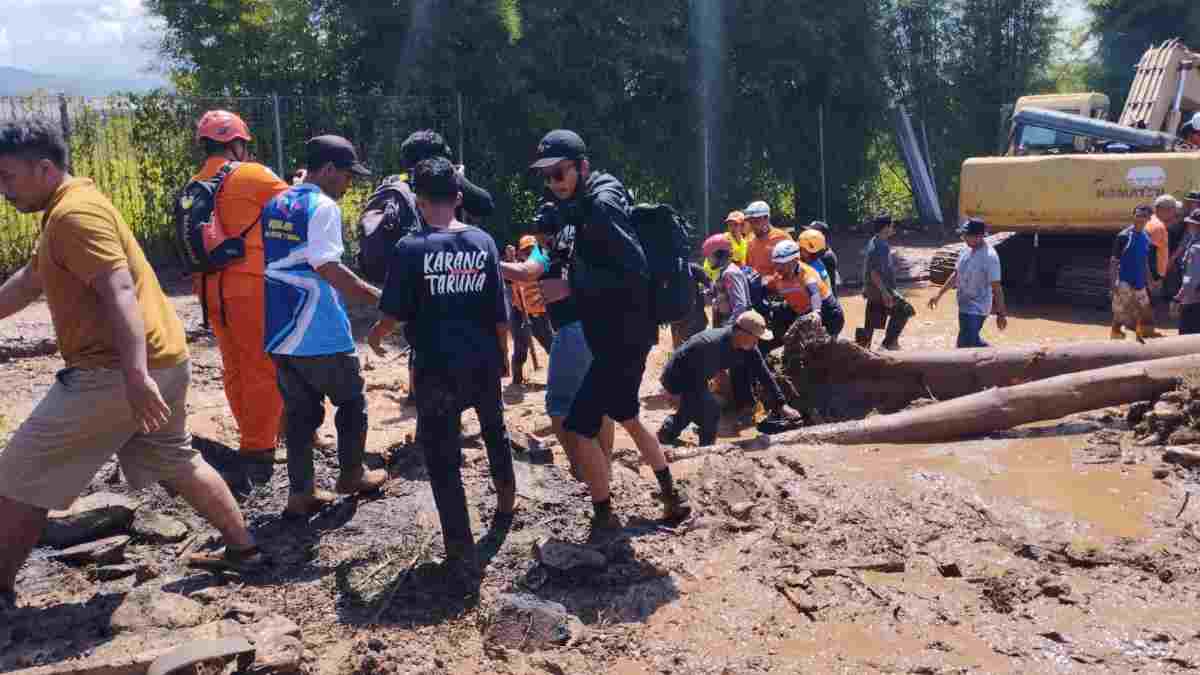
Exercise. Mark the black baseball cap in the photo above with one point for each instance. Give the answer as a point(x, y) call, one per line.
point(972, 226)
point(330, 148)
point(1193, 196)
point(558, 145)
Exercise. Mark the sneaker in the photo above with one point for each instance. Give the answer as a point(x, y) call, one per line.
point(665, 437)
point(307, 505)
point(365, 481)
point(675, 504)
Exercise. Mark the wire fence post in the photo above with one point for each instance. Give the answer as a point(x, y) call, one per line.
point(64, 118)
point(461, 157)
point(279, 163)
point(821, 144)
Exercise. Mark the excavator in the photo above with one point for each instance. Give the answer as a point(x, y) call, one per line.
point(1069, 179)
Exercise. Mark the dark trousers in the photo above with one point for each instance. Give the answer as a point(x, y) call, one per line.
point(305, 382)
point(1189, 319)
point(696, 405)
point(969, 327)
point(524, 327)
point(832, 317)
point(444, 397)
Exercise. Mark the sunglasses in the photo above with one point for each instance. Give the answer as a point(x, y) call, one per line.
point(557, 176)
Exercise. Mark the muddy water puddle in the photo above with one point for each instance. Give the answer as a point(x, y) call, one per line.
point(1037, 472)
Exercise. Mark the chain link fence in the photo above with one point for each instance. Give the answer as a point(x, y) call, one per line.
point(140, 150)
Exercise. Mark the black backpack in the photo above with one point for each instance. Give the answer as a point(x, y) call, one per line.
point(390, 214)
point(666, 240)
point(202, 242)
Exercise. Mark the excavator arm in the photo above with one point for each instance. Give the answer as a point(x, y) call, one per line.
point(1166, 90)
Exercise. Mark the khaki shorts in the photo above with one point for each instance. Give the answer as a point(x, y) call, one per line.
point(85, 419)
point(1130, 305)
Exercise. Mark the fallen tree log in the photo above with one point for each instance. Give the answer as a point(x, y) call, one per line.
point(865, 380)
point(991, 410)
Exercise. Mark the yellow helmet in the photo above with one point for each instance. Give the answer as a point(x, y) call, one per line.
point(811, 241)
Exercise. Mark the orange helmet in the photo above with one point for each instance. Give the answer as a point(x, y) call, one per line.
point(222, 126)
point(528, 241)
point(811, 241)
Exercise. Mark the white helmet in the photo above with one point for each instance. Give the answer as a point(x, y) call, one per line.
point(785, 252)
point(758, 209)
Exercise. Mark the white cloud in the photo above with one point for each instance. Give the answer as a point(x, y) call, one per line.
point(96, 38)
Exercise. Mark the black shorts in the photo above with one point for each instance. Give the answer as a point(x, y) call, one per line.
point(611, 388)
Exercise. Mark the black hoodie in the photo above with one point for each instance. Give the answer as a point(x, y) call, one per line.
point(610, 279)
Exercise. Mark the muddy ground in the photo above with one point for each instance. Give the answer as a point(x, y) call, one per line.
point(1047, 549)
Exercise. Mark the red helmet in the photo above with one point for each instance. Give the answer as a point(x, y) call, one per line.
point(222, 126)
point(717, 242)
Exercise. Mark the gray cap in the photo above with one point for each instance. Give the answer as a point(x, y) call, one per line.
point(1163, 201)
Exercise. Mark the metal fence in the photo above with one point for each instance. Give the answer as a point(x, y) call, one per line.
point(140, 150)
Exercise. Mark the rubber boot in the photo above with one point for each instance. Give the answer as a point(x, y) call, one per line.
point(863, 337)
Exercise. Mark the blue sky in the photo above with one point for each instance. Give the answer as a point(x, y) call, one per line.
point(115, 38)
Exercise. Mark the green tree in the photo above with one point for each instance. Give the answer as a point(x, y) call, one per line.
point(1124, 29)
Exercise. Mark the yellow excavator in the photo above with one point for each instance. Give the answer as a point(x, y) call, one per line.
point(1068, 179)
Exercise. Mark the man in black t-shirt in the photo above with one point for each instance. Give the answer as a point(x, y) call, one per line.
point(610, 281)
point(444, 286)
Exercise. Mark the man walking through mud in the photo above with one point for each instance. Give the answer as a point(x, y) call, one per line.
point(977, 278)
point(609, 280)
point(308, 330)
point(444, 287)
point(1129, 278)
point(233, 297)
point(886, 307)
point(125, 385)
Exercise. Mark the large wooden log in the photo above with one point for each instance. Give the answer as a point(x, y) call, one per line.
point(1008, 407)
point(867, 379)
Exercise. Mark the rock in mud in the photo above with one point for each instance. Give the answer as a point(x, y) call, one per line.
point(1161, 472)
point(1182, 456)
point(1184, 436)
point(278, 654)
point(527, 623)
point(1137, 412)
point(108, 551)
point(150, 608)
point(96, 516)
point(741, 510)
point(1167, 413)
point(565, 556)
point(114, 572)
point(156, 528)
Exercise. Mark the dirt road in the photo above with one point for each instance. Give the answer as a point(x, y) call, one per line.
point(1028, 551)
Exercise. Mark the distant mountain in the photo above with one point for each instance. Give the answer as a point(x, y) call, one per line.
point(17, 82)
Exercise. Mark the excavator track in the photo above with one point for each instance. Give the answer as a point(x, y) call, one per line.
point(1071, 269)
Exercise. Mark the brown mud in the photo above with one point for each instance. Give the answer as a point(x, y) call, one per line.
point(1051, 548)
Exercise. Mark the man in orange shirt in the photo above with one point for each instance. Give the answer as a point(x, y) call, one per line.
point(1166, 210)
point(758, 254)
point(234, 295)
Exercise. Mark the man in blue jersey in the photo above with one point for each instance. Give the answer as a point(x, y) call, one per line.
point(444, 287)
point(308, 331)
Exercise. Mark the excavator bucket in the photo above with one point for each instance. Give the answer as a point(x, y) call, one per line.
point(1167, 86)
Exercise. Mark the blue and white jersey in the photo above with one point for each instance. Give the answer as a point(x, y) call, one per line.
point(302, 230)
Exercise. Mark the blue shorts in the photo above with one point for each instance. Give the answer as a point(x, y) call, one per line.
point(570, 359)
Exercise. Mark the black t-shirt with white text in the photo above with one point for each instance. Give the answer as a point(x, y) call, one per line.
point(446, 287)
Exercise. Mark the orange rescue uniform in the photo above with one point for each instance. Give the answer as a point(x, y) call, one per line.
point(237, 306)
point(1159, 238)
point(800, 290)
point(758, 253)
